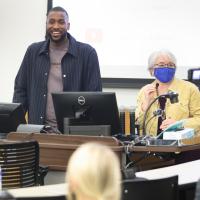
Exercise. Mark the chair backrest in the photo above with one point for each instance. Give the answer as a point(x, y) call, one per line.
point(19, 161)
point(158, 189)
point(197, 193)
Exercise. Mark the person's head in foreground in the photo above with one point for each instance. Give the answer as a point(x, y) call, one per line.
point(93, 173)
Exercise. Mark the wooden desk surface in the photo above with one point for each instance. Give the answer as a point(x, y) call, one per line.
point(153, 160)
point(64, 139)
point(163, 148)
point(55, 150)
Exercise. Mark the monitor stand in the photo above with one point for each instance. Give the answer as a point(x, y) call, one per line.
point(93, 130)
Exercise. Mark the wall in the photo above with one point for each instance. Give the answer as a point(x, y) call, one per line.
point(125, 97)
point(125, 32)
point(22, 23)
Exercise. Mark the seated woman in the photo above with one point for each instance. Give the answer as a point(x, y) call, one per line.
point(93, 173)
point(162, 65)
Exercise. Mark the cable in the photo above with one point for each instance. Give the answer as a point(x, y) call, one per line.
point(150, 119)
point(173, 96)
point(145, 115)
point(159, 113)
point(132, 163)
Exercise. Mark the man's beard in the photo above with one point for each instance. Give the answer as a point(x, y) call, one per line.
point(62, 38)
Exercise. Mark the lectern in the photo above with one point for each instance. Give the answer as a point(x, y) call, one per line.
point(55, 150)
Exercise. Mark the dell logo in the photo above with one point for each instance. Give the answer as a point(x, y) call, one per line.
point(81, 100)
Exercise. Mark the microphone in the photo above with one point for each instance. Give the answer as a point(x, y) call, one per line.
point(157, 85)
point(173, 96)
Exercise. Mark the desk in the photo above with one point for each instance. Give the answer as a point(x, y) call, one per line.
point(40, 191)
point(153, 161)
point(188, 175)
point(177, 149)
point(55, 150)
point(187, 172)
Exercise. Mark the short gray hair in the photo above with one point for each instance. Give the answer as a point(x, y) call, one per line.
point(156, 54)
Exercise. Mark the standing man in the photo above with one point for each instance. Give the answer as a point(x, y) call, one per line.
point(58, 64)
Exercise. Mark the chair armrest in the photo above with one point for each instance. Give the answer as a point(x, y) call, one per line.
point(42, 172)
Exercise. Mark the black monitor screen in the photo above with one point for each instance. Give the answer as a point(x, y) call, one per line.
point(87, 108)
point(11, 115)
point(196, 74)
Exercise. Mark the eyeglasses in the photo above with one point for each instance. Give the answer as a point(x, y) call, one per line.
point(170, 65)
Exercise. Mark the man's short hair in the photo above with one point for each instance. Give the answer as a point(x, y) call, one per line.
point(58, 8)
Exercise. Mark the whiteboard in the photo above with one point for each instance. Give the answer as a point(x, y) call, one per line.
point(125, 32)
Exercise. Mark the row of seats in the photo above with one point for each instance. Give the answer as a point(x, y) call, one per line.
point(20, 168)
point(19, 163)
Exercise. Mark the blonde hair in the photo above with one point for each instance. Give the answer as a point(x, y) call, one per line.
point(94, 172)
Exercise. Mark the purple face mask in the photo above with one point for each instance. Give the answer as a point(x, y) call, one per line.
point(164, 74)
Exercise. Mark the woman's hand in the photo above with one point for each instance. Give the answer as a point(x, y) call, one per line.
point(166, 123)
point(149, 92)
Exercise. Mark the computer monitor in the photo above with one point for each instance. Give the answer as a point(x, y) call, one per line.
point(194, 74)
point(87, 108)
point(11, 115)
